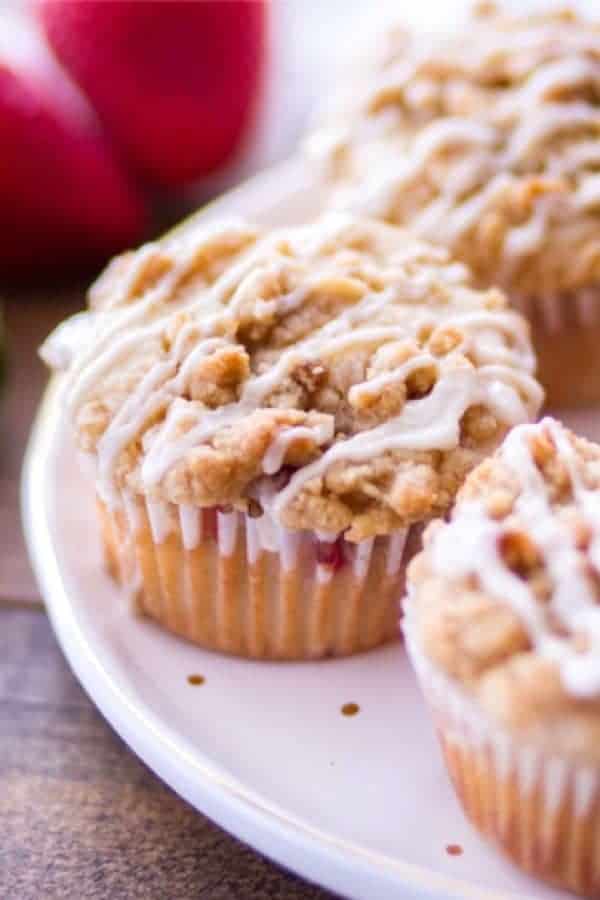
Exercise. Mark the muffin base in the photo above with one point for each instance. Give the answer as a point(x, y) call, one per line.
point(208, 577)
point(566, 336)
point(542, 811)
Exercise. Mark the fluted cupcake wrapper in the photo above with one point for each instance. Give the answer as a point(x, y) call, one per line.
point(245, 586)
point(556, 311)
point(566, 335)
point(542, 810)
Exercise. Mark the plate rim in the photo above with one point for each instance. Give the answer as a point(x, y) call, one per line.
point(338, 865)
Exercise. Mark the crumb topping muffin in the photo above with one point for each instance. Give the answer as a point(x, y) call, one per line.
point(506, 596)
point(342, 376)
point(485, 141)
point(503, 628)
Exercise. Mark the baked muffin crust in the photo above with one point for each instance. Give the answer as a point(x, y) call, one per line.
point(343, 376)
point(505, 598)
point(485, 141)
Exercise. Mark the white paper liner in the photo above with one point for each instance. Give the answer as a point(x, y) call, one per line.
point(543, 810)
point(247, 586)
point(554, 311)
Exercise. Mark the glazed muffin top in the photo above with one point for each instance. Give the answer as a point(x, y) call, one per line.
point(485, 141)
point(505, 598)
point(341, 375)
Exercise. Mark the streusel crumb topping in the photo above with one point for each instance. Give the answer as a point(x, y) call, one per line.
point(485, 141)
point(506, 596)
point(343, 376)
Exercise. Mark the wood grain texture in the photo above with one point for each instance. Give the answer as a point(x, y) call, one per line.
point(28, 319)
point(80, 816)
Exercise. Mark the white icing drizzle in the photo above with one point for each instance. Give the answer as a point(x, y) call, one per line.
point(374, 386)
point(275, 455)
point(587, 196)
point(547, 123)
point(494, 340)
point(430, 422)
point(554, 75)
point(470, 545)
point(523, 240)
point(439, 165)
point(446, 218)
point(474, 389)
point(58, 350)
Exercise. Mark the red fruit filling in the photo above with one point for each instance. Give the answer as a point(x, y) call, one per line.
point(210, 525)
point(331, 553)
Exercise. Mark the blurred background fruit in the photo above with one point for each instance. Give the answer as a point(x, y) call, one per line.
point(175, 83)
point(3, 362)
point(65, 197)
point(119, 116)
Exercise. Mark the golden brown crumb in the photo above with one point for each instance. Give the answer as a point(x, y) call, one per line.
point(476, 634)
point(346, 322)
point(510, 190)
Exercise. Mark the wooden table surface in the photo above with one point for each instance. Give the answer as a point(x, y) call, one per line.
point(80, 816)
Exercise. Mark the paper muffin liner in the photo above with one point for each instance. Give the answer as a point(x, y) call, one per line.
point(245, 586)
point(555, 312)
point(566, 334)
point(542, 810)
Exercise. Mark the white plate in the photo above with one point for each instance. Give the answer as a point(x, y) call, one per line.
point(361, 805)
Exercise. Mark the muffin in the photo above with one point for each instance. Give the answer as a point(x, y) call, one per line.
point(271, 416)
point(486, 141)
point(503, 626)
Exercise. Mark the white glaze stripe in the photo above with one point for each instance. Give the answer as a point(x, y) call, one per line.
point(539, 123)
point(495, 340)
point(471, 545)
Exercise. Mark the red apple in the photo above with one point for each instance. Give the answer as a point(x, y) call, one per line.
point(64, 196)
point(174, 82)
